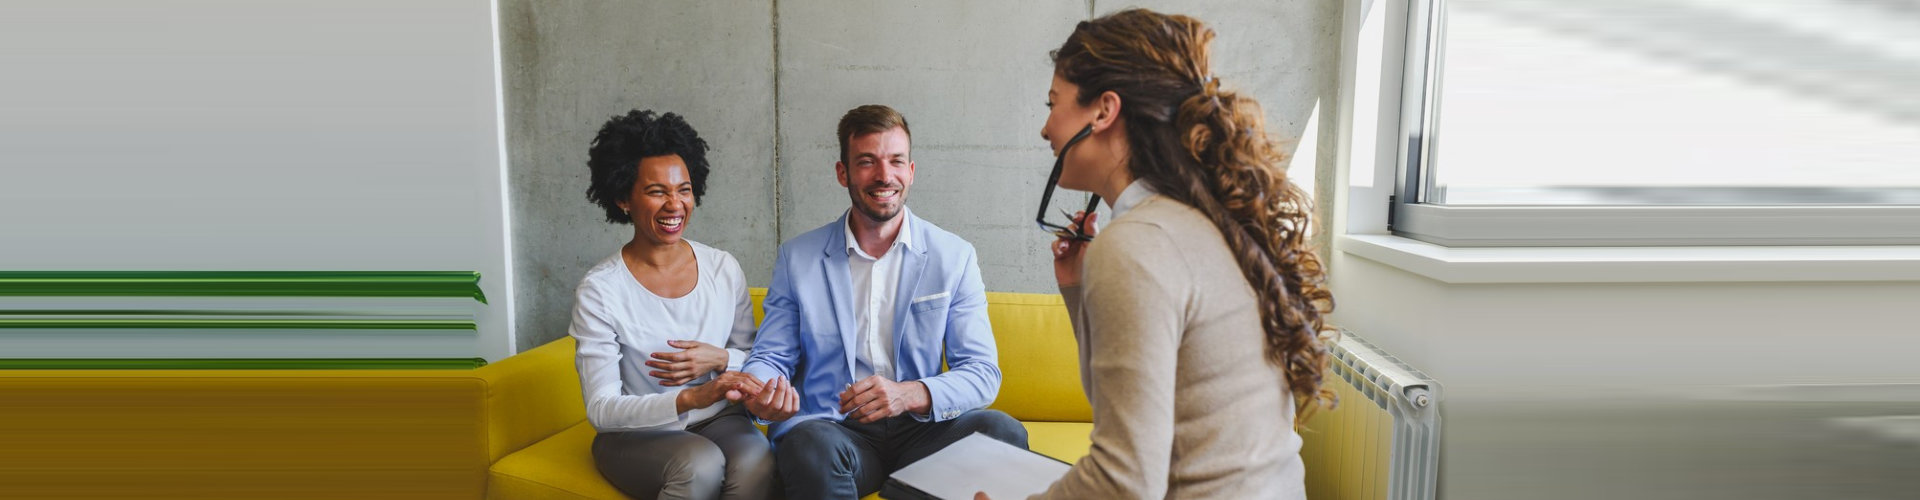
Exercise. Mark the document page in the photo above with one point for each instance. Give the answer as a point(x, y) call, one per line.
point(980, 463)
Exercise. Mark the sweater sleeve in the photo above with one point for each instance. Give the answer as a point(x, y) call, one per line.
point(598, 359)
point(1133, 315)
point(1077, 317)
point(1071, 295)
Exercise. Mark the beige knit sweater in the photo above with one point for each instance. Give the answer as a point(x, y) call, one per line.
point(1185, 404)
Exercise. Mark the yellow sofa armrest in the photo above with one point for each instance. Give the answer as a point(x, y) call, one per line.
point(530, 396)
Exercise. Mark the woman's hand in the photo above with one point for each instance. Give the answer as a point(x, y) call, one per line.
point(678, 368)
point(734, 386)
point(1068, 254)
point(729, 386)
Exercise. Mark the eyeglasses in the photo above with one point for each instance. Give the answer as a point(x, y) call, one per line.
point(1093, 201)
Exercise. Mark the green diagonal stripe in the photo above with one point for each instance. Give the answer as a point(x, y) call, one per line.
point(242, 283)
point(244, 364)
point(230, 324)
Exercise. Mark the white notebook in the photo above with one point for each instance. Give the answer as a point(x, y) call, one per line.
point(976, 463)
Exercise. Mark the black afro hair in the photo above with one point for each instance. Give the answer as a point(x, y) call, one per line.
point(615, 156)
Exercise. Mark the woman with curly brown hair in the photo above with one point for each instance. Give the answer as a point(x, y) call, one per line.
point(1199, 309)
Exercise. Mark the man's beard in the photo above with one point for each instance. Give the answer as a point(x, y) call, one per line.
point(861, 203)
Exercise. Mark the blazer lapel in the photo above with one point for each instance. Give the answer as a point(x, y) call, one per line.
point(840, 290)
point(913, 264)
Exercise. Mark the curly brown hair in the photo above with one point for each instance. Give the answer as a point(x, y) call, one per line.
point(1208, 148)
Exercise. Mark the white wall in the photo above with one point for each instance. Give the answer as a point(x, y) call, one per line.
point(1652, 390)
point(209, 135)
point(1669, 384)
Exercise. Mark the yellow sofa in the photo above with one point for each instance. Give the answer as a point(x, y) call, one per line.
point(514, 429)
point(1040, 386)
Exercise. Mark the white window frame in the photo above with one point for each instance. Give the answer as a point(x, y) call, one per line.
point(1410, 58)
point(1559, 245)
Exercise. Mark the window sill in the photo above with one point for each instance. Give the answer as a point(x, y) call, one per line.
point(1637, 264)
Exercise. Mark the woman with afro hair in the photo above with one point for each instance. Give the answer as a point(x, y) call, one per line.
point(651, 320)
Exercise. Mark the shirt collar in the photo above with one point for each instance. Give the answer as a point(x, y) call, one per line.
point(905, 239)
point(1130, 197)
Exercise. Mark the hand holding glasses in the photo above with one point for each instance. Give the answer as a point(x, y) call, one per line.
point(1093, 201)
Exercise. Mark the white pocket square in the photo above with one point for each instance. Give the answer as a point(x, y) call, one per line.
point(925, 298)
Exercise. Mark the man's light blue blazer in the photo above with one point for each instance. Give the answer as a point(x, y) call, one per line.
point(941, 309)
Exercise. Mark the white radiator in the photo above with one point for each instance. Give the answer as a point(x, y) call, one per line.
point(1383, 441)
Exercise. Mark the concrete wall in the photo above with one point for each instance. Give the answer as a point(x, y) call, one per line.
point(765, 82)
point(970, 78)
point(568, 66)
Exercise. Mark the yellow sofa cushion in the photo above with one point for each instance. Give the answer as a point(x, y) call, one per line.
point(1039, 363)
point(1066, 441)
point(558, 467)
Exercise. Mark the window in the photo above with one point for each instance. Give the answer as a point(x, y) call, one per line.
point(1657, 122)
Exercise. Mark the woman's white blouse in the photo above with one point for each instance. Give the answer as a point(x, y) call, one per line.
point(618, 323)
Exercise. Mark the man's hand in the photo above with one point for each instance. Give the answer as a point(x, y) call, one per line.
point(678, 368)
point(776, 401)
point(875, 398)
point(729, 386)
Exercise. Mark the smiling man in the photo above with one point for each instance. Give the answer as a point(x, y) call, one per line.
point(860, 315)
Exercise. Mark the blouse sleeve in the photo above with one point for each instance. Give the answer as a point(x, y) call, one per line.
point(598, 359)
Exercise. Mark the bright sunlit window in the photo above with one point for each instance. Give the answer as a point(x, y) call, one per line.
point(1661, 103)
